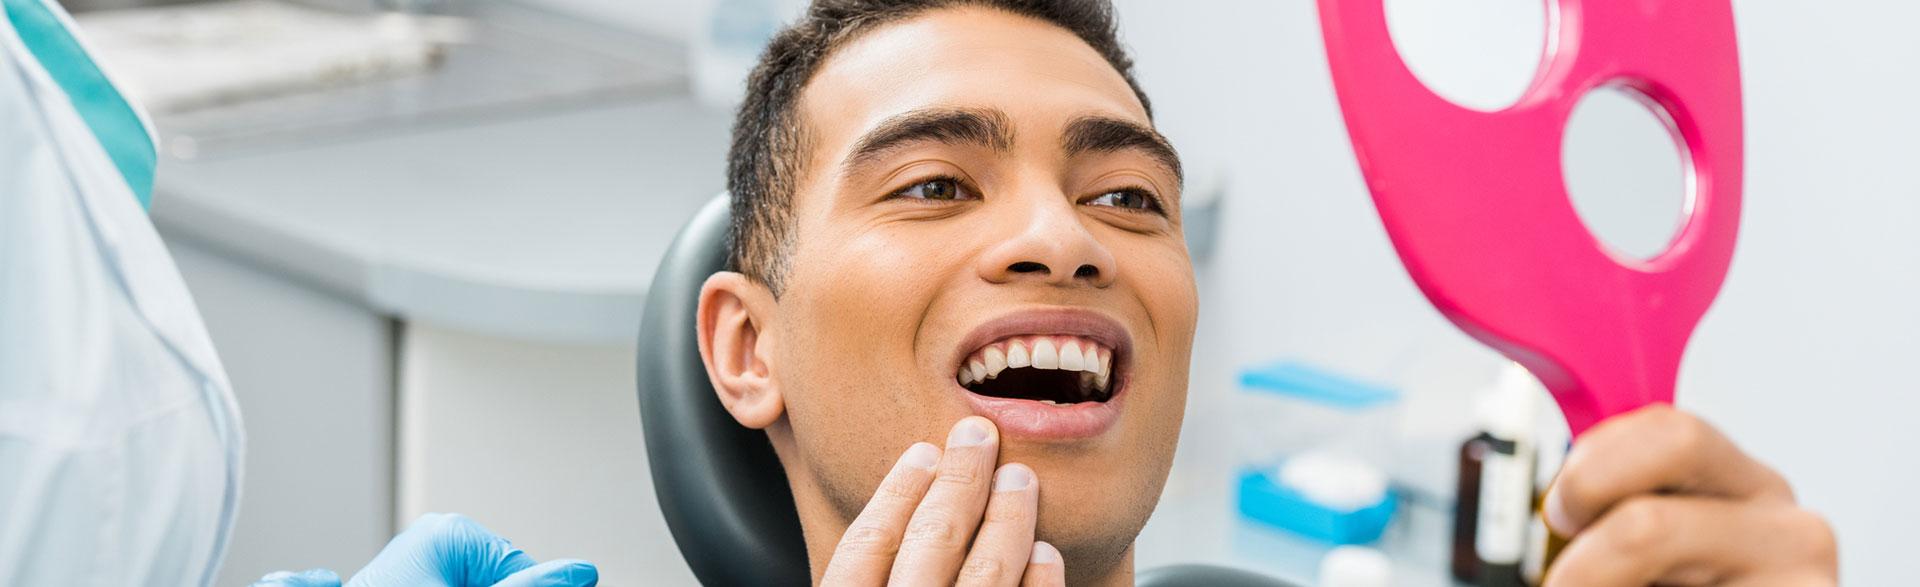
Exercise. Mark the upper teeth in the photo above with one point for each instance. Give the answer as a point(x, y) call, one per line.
point(1061, 352)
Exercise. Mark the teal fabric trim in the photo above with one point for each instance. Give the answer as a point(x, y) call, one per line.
point(112, 119)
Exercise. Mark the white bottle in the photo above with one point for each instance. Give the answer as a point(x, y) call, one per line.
point(1553, 439)
point(1506, 478)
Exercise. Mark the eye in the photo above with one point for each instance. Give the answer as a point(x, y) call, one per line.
point(1129, 198)
point(938, 188)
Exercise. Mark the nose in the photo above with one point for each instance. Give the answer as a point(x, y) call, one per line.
point(1046, 242)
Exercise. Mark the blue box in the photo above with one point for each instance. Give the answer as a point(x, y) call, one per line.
point(1263, 500)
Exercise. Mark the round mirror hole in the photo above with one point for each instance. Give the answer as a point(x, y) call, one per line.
point(1626, 172)
point(1480, 54)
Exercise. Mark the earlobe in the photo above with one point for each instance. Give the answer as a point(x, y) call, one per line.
point(736, 346)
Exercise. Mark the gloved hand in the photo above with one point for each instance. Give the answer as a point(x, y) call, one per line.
point(448, 550)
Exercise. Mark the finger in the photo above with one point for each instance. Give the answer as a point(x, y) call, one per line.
point(937, 535)
point(307, 578)
point(1655, 449)
point(1005, 540)
point(865, 553)
point(448, 548)
point(554, 573)
point(471, 551)
point(1044, 567)
point(1684, 540)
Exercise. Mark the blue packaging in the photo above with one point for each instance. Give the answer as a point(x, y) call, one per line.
point(1260, 498)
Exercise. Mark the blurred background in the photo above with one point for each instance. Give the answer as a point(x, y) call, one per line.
point(420, 232)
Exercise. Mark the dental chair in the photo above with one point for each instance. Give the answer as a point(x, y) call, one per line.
point(720, 486)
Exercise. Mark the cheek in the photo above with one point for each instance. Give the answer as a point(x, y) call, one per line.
point(1162, 278)
point(866, 296)
point(848, 323)
point(885, 269)
point(856, 397)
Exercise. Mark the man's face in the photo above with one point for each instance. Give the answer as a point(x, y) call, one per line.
point(979, 181)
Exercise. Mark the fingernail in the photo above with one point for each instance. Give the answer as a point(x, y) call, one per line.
point(1012, 478)
point(1557, 520)
point(921, 455)
point(1043, 554)
point(970, 432)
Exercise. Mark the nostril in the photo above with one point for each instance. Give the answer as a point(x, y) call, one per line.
point(1086, 271)
point(1027, 267)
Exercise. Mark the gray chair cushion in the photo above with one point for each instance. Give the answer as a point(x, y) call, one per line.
point(720, 486)
point(1204, 576)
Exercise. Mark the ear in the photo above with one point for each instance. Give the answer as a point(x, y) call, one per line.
point(738, 348)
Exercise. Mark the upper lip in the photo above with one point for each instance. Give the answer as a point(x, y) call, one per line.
point(1062, 321)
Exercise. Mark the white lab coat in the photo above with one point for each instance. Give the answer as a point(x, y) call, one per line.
point(120, 442)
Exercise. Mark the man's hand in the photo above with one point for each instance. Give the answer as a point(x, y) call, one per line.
point(1657, 496)
point(949, 519)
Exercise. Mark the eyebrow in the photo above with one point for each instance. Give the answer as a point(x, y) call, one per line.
point(983, 127)
point(1105, 134)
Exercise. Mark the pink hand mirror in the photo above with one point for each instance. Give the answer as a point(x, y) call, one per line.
point(1477, 208)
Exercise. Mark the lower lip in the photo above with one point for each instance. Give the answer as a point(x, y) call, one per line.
point(1032, 419)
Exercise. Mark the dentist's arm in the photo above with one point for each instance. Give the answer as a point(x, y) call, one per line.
point(1657, 496)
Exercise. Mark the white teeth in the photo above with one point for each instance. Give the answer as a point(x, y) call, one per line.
point(1092, 363)
point(1049, 402)
point(1044, 355)
point(996, 362)
point(1017, 355)
point(1106, 370)
point(1070, 356)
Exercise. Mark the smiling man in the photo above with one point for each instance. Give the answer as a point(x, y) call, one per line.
point(954, 211)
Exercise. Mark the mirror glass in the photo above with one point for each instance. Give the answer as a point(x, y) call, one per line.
point(1625, 172)
point(1480, 54)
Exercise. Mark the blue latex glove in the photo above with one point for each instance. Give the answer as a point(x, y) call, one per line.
point(448, 550)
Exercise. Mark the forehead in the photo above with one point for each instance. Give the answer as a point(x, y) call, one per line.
point(1041, 75)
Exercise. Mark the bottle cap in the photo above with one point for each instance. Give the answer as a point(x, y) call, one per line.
point(1507, 410)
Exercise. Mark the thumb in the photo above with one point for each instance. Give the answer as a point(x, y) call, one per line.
point(566, 572)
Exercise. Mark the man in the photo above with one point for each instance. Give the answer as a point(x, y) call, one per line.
point(960, 211)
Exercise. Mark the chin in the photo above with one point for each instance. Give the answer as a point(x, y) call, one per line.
point(1095, 535)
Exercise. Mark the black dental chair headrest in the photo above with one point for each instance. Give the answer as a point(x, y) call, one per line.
point(720, 486)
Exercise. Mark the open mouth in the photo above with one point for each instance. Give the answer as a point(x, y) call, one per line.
point(1050, 369)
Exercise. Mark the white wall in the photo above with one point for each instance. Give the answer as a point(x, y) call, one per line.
point(676, 20)
point(317, 408)
point(539, 442)
point(1802, 361)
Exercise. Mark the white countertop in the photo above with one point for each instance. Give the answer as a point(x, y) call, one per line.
point(540, 227)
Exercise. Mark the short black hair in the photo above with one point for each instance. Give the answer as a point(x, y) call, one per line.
point(770, 146)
